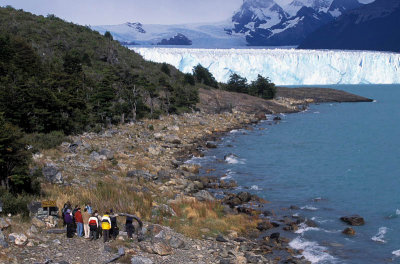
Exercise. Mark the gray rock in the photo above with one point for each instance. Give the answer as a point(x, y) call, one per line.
point(3, 224)
point(141, 260)
point(18, 239)
point(173, 139)
point(141, 174)
point(107, 153)
point(33, 207)
point(210, 144)
point(52, 174)
point(354, 220)
point(164, 174)
point(204, 195)
point(3, 243)
point(96, 156)
point(176, 242)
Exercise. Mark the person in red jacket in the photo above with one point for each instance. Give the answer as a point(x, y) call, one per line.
point(79, 222)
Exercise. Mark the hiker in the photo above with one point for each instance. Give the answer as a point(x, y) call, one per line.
point(106, 226)
point(114, 226)
point(129, 227)
point(99, 230)
point(89, 208)
point(73, 216)
point(79, 222)
point(93, 225)
point(64, 211)
point(69, 222)
point(85, 217)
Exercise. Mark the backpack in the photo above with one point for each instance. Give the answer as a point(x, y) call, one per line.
point(93, 222)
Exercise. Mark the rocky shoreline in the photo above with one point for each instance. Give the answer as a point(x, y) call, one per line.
point(148, 160)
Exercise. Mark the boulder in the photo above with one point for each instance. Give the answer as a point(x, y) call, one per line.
point(38, 223)
point(52, 174)
point(141, 174)
point(176, 242)
point(311, 223)
point(204, 195)
point(141, 260)
point(211, 145)
point(244, 196)
point(107, 153)
point(192, 168)
point(3, 224)
point(349, 231)
point(354, 220)
point(162, 249)
point(275, 236)
point(265, 225)
point(17, 239)
point(3, 243)
point(277, 118)
point(173, 139)
point(220, 238)
point(164, 174)
point(34, 207)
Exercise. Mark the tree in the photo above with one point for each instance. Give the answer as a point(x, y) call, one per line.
point(238, 84)
point(203, 75)
point(189, 79)
point(165, 69)
point(14, 159)
point(108, 36)
point(263, 87)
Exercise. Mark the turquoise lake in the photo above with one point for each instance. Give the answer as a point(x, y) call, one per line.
point(333, 160)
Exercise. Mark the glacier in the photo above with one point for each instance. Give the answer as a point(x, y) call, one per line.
point(285, 66)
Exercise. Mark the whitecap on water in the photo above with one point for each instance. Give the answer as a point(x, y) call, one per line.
point(255, 187)
point(304, 228)
point(379, 237)
point(229, 174)
point(396, 253)
point(312, 251)
point(309, 207)
point(233, 159)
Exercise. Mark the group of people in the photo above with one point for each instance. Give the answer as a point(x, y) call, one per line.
point(91, 225)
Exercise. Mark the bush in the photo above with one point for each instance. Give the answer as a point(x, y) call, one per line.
point(237, 83)
point(41, 141)
point(13, 204)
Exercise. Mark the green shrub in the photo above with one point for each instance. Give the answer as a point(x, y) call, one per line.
point(13, 204)
point(41, 141)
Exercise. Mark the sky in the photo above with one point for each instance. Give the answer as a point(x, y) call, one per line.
point(111, 12)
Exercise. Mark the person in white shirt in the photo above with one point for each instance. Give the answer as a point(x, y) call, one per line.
point(93, 225)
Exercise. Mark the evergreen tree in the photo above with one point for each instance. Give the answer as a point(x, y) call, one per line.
point(263, 87)
point(203, 75)
point(165, 69)
point(238, 84)
point(14, 159)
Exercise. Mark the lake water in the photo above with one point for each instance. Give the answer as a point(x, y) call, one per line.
point(347, 155)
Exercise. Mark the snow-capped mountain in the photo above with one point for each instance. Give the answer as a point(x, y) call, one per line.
point(374, 26)
point(200, 35)
point(265, 23)
point(256, 23)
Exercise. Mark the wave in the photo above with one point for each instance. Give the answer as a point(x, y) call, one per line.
point(309, 208)
point(233, 159)
point(304, 228)
point(312, 251)
point(200, 160)
point(396, 253)
point(229, 174)
point(255, 187)
point(379, 237)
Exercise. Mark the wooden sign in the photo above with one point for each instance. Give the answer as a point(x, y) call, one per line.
point(49, 203)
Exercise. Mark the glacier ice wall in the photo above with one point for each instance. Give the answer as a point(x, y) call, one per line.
point(285, 66)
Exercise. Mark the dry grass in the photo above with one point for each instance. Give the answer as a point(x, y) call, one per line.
point(195, 219)
point(108, 194)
